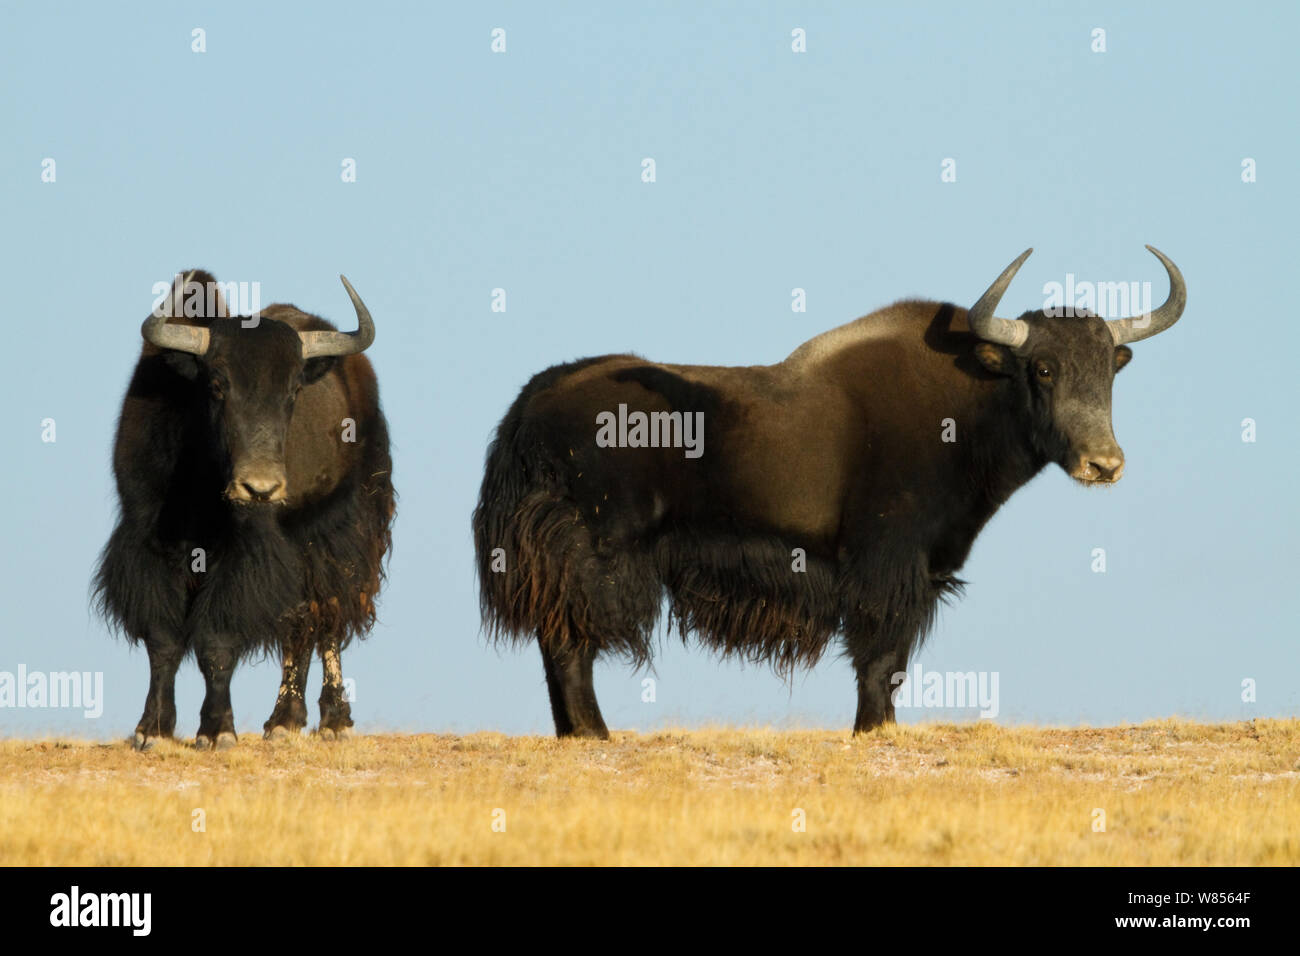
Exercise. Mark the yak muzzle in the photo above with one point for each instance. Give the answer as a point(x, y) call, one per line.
point(258, 484)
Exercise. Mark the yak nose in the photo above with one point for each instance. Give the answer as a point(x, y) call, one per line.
point(260, 485)
point(261, 488)
point(1109, 467)
point(1106, 467)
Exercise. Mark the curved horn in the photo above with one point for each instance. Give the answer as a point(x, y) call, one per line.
point(320, 344)
point(1141, 327)
point(178, 338)
point(989, 327)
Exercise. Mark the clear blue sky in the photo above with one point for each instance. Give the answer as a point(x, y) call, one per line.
point(775, 170)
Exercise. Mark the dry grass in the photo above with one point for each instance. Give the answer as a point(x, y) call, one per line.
point(1173, 792)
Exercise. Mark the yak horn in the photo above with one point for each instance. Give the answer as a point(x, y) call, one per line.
point(178, 338)
point(1124, 331)
point(321, 344)
point(989, 327)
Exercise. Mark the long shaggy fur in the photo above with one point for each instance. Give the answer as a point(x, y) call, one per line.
point(559, 584)
point(738, 595)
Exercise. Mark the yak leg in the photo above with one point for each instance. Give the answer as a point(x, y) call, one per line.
point(217, 660)
point(573, 693)
point(875, 692)
point(555, 689)
point(159, 718)
point(879, 651)
point(290, 713)
point(881, 643)
point(335, 711)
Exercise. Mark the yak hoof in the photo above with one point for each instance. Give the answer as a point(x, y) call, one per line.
point(862, 729)
point(277, 733)
point(143, 743)
point(226, 740)
point(202, 742)
point(326, 733)
point(589, 733)
point(344, 733)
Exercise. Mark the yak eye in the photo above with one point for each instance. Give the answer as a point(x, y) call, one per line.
point(1043, 371)
point(217, 391)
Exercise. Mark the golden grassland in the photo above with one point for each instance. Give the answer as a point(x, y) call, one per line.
point(1173, 792)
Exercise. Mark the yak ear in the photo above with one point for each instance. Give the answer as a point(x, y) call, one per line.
point(318, 368)
point(1123, 355)
point(182, 363)
point(201, 297)
point(996, 358)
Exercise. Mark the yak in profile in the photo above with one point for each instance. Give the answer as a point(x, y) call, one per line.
point(256, 499)
point(780, 506)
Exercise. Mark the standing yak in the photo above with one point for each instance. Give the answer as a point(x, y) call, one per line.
point(254, 483)
point(781, 505)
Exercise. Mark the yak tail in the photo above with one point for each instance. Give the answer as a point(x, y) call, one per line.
point(540, 573)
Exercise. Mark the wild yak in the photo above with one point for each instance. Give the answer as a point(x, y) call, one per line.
point(256, 501)
point(827, 495)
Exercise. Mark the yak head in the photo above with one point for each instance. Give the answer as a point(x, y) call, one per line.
point(249, 371)
point(1066, 365)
